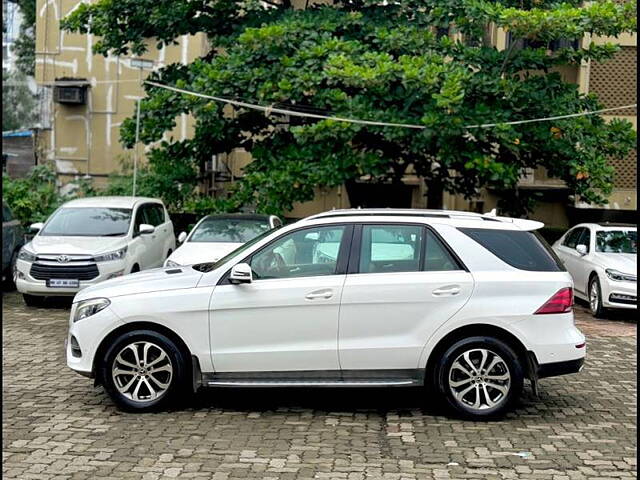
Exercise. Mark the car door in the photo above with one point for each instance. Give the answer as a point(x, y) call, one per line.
point(144, 245)
point(163, 231)
point(402, 284)
point(11, 236)
point(569, 255)
point(286, 319)
point(582, 263)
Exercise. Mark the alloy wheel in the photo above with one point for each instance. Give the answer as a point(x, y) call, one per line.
point(479, 379)
point(142, 372)
point(594, 296)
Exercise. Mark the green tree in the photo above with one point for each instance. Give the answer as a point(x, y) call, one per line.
point(380, 61)
point(18, 103)
point(25, 45)
point(35, 197)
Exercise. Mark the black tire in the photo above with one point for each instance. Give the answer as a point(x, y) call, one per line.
point(135, 268)
point(502, 393)
point(33, 300)
point(595, 305)
point(177, 380)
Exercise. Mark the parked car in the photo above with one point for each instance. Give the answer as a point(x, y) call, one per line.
point(464, 303)
point(602, 259)
point(12, 241)
point(216, 235)
point(89, 240)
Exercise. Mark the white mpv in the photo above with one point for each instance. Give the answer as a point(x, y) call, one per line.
point(89, 240)
point(468, 305)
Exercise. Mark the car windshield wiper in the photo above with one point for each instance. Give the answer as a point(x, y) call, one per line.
point(114, 234)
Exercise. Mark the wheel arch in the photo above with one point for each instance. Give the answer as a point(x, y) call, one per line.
point(485, 330)
point(193, 365)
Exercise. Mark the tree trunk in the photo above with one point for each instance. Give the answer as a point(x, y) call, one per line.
point(435, 191)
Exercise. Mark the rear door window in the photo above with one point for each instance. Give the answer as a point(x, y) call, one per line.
point(438, 258)
point(522, 250)
point(391, 248)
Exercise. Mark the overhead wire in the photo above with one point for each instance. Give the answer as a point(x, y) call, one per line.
point(274, 109)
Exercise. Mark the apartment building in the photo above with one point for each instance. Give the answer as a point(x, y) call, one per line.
point(85, 97)
point(88, 96)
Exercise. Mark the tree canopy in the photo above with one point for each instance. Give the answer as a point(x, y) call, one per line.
point(379, 61)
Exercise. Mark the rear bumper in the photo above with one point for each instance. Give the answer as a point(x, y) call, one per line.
point(560, 368)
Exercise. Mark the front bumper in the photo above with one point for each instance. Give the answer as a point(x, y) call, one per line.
point(84, 338)
point(25, 283)
point(619, 294)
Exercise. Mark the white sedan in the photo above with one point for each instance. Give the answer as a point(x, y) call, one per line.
point(602, 259)
point(215, 236)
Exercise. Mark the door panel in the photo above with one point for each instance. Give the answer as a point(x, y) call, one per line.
point(386, 318)
point(276, 325)
point(570, 257)
point(406, 285)
point(287, 317)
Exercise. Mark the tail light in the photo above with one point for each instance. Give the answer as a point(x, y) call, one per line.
point(561, 302)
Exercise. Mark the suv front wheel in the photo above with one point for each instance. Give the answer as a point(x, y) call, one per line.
point(144, 370)
point(480, 377)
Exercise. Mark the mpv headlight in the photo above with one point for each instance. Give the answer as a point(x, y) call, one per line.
point(106, 257)
point(619, 276)
point(26, 255)
point(86, 308)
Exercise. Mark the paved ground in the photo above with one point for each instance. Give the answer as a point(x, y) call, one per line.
point(56, 425)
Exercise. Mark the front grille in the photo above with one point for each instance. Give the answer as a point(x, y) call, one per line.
point(47, 272)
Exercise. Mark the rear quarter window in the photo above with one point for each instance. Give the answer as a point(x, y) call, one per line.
point(522, 250)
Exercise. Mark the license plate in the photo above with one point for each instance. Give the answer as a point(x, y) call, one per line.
point(63, 283)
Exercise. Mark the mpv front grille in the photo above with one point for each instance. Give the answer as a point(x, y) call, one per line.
point(47, 272)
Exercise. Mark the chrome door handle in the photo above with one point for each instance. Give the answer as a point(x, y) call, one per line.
point(448, 290)
point(322, 294)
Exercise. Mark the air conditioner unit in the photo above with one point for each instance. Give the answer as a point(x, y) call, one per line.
point(70, 94)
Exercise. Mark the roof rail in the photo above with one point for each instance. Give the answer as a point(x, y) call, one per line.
point(397, 212)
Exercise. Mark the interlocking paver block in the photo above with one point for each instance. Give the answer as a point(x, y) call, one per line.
point(57, 426)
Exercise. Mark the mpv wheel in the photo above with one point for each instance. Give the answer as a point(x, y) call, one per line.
point(143, 371)
point(595, 297)
point(480, 377)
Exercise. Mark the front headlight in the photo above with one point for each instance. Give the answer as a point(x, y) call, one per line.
point(86, 308)
point(106, 257)
point(619, 276)
point(171, 263)
point(26, 255)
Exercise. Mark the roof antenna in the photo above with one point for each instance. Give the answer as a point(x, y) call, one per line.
point(492, 213)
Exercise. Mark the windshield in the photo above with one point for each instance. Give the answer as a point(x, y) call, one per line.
point(208, 267)
point(228, 230)
point(88, 222)
point(617, 241)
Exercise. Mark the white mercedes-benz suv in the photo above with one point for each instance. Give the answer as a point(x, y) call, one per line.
point(468, 305)
point(89, 240)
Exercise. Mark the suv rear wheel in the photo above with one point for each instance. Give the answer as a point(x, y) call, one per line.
point(144, 370)
point(480, 377)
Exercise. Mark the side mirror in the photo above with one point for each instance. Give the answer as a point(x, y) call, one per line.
point(36, 227)
point(182, 237)
point(582, 249)
point(146, 229)
point(241, 273)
